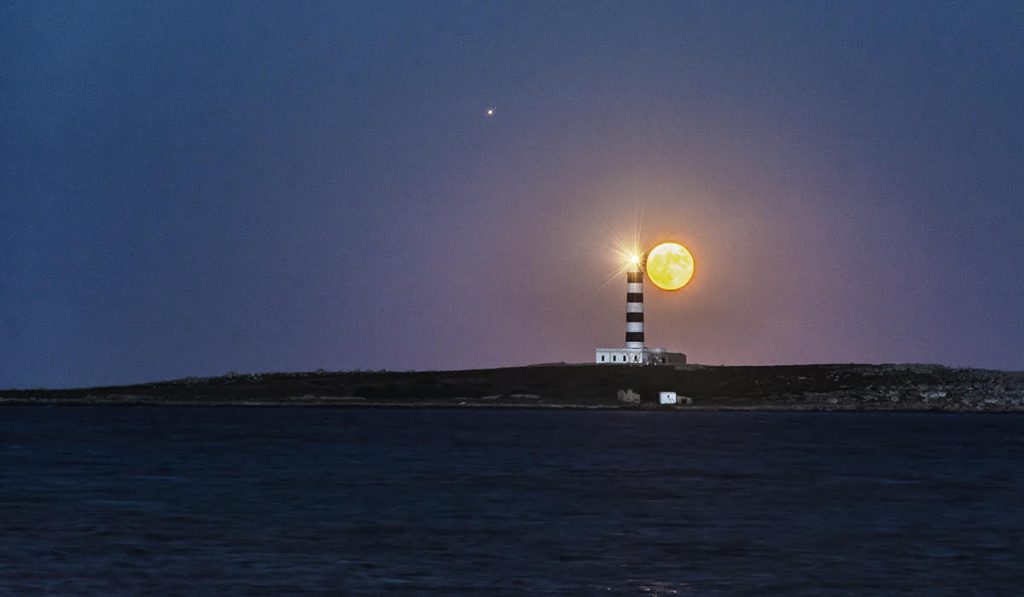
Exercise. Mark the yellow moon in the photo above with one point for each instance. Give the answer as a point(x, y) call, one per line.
point(670, 266)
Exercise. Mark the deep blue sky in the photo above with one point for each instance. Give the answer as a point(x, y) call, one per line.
point(189, 188)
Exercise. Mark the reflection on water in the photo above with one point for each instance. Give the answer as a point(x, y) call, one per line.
point(158, 500)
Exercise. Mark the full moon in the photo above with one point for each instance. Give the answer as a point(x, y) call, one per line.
point(670, 266)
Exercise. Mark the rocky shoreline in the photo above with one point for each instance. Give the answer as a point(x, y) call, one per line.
point(842, 387)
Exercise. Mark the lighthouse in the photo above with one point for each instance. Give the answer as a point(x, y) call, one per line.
point(635, 350)
point(635, 306)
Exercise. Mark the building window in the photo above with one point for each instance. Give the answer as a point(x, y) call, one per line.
point(613, 357)
point(602, 358)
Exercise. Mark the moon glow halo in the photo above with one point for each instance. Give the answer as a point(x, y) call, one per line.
point(669, 266)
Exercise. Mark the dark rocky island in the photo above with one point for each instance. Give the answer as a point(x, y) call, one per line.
point(796, 387)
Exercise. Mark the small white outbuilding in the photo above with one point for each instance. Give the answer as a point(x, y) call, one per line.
point(667, 397)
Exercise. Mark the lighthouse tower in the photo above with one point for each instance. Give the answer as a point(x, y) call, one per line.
point(635, 352)
point(635, 307)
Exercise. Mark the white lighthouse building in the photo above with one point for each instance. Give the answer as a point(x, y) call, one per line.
point(635, 352)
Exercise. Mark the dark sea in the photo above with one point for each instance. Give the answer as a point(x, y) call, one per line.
point(186, 501)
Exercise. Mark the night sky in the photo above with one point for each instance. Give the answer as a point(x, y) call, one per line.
point(192, 188)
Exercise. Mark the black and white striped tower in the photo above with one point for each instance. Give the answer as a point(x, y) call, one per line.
point(635, 306)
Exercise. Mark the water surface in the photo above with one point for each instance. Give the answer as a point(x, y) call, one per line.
point(114, 500)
